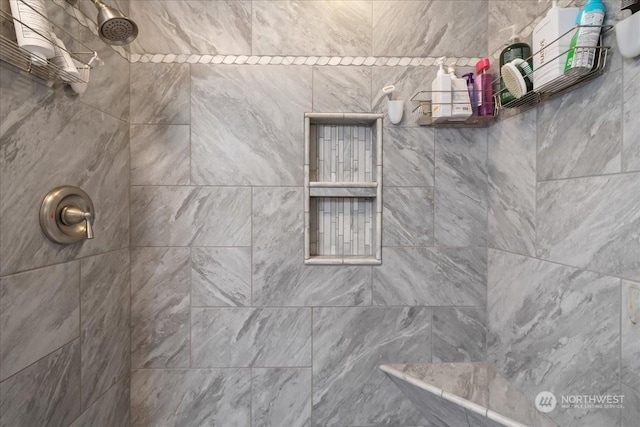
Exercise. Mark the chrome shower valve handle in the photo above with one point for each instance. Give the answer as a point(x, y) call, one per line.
point(67, 215)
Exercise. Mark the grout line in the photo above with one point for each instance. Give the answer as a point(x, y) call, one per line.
point(55, 350)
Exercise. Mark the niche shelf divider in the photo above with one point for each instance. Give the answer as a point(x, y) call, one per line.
point(343, 189)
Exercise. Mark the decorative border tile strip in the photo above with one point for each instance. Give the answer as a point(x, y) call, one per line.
point(362, 61)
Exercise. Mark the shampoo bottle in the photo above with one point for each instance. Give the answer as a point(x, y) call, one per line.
point(441, 94)
point(34, 36)
point(473, 97)
point(516, 49)
point(581, 59)
point(483, 88)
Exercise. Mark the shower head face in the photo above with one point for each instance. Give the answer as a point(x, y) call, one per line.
point(114, 28)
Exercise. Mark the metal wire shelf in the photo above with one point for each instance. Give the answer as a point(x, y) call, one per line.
point(13, 54)
point(568, 82)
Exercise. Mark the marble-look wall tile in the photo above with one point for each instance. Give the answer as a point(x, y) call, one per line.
point(546, 323)
point(40, 150)
point(279, 274)
point(294, 27)
point(191, 398)
point(250, 337)
point(220, 277)
point(461, 199)
point(160, 308)
point(431, 276)
point(459, 334)
point(580, 133)
point(160, 155)
point(630, 335)
point(631, 410)
point(407, 217)
point(430, 28)
point(281, 397)
point(183, 216)
point(108, 89)
point(104, 322)
point(502, 14)
point(39, 312)
point(248, 116)
point(408, 155)
point(408, 81)
point(110, 410)
point(197, 27)
point(631, 106)
point(591, 223)
point(349, 344)
point(436, 410)
point(45, 393)
point(341, 89)
point(160, 93)
point(512, 184)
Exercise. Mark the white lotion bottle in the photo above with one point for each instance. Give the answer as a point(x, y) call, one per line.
point(441, 94)
point(63, 60)
point(460, 103)
point(34, 35)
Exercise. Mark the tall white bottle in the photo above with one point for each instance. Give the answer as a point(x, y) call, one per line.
point(441, 94)
point(35, 35)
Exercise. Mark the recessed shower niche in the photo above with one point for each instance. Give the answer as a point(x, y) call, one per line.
point(343, 188)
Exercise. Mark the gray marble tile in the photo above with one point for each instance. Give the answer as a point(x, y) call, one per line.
point(108, 88)
point(631, 410)
point(45, 393)
point(430, 28)
point(546, 323)
point(348, 346)
point(279, 274)
point(160, 308)
point(220, 277)
point(461, 197)
point(407, 217)
point(250, 337)
point(34, 134)
point(281, 397)
point(591, 223)
point(183, 216)
point(512, 184)
point(296, 27)
point(459, 334)
point(39, 313)
point(431, 276)
point(248, 116)
point(522, 13)
point(160, 155)
point(579, 133)
point(477, 420)
point(198, 27)
point(408, 81)
point(110, 410)
point(437, 411)
point(631, 107)
point(408, 156)
point(630, 335)
point(191, 398)
point(341, 89)
point(160, 93)
point(104, 322)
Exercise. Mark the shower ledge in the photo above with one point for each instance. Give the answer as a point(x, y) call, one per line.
point(465, 394)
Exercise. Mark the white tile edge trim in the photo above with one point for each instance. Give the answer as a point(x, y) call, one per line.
point(471, 406)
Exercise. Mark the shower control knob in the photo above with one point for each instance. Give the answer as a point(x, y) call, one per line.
point(67, 215)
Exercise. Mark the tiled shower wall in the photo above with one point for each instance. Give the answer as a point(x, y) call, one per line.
point(64, 310)
point(563, 239)
point(223, 309)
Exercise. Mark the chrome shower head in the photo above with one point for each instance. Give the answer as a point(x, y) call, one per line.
point(113, 27)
